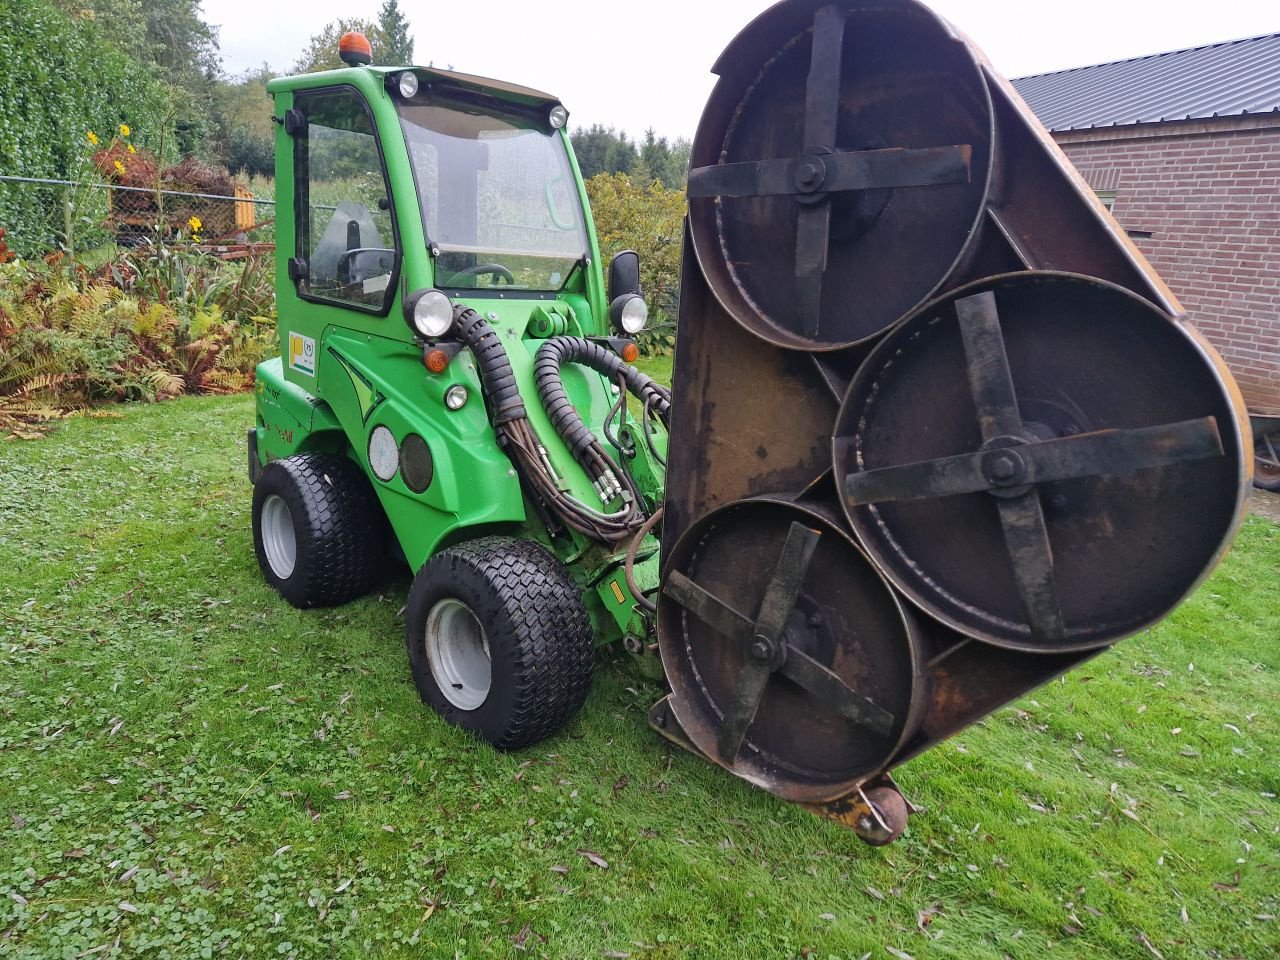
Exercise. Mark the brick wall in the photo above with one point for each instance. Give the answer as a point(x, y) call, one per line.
point(1209, 194)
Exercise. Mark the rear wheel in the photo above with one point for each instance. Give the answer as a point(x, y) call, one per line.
point(317, 530)
point(1266, 459)
point(498, 639)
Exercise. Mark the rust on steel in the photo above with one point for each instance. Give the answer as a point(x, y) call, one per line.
point(939, 433)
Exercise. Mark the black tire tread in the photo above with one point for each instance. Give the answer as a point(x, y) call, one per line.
point(339, 530)
point(552, 644)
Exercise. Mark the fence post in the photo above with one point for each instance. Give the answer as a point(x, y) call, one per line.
point(68, 223)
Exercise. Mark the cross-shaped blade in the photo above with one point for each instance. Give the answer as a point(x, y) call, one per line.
point(821, 116)
point(779, 600)
point(822, 171)
point(1025, 535)
point(1014, 471)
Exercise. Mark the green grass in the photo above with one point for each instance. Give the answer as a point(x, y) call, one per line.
point(189, 767)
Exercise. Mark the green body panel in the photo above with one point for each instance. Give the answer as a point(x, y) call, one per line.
point(344, 372)
point(290, 420)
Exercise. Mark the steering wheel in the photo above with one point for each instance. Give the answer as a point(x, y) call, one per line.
point(498, 270)
point(347, 258)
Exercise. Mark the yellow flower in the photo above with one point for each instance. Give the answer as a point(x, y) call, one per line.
point(195, 224)
point(92, 137)
point(120, 168)
point(124, 130)
point(131, 149)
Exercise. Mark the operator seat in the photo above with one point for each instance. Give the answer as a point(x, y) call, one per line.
point(350, 228)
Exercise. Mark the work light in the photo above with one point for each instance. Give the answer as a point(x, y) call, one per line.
point(629, 313)
point(430, 313)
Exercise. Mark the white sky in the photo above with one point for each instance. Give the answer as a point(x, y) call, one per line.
point(646, 63)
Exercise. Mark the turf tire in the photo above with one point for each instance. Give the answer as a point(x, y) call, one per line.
point(338, 529)
point(540, 645)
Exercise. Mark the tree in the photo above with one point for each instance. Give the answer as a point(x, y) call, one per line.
point(602, 150)
point(182, 44)
point(665, 161)
point(648, 218)
point(395, 46)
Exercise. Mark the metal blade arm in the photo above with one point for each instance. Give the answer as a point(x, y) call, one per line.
point(1104, 453)
point(850, 170)
point(827, 688)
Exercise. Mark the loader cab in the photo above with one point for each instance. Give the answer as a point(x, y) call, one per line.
point(391, 182)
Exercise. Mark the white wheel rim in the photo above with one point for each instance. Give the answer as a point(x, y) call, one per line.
point(278, 540)
point(458, 652)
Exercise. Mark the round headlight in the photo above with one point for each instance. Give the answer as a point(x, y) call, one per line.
point(558, 116)
point(629, 313)
point(432, 314)
point(408, 85)
point(384, 455)
point(455, 398)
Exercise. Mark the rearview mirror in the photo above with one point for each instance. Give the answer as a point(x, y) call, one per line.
point(624, 274)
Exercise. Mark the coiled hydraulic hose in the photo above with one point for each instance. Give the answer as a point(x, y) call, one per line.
point(525, 449)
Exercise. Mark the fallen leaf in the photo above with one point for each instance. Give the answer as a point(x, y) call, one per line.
point(829, 917)
point(79, 853)
point(558, 869)
point(900, 954)
point(1142, 939)
point(520, 938)
point(1234, 885)
point(873, 892)
point(127, 907)
point(595, 858)
point(925, 916)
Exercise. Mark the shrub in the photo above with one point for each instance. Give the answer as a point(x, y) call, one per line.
point(61, 80)
point(152, 324)
point(649, 220)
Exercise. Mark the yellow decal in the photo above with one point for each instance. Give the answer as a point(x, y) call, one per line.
point(617, 592)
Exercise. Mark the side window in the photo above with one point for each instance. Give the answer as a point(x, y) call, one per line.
point(346, 240)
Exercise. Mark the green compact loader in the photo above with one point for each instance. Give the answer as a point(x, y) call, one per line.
point(937, 432)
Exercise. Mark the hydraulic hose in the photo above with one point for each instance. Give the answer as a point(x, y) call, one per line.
point(564, 416)
point(510, 420)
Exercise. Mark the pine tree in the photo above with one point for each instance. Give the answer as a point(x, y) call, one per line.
point(395, 47)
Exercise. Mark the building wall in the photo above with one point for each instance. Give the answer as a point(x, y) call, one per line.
point(1209, 195)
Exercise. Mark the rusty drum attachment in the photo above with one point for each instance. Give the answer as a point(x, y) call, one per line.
point(840, 168)
point(938, 431)
point(1043, 461)
point(791, 661)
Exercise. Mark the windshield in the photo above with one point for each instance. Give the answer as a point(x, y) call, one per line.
point(498, 197)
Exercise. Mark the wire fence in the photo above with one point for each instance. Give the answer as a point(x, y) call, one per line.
point(77, 217)
point(80, 218)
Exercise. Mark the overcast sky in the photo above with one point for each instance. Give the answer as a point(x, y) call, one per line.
point(647, 63)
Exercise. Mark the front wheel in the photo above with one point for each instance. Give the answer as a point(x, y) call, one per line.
point(498, 639)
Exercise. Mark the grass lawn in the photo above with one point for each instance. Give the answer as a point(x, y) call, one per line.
point(189, 767)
